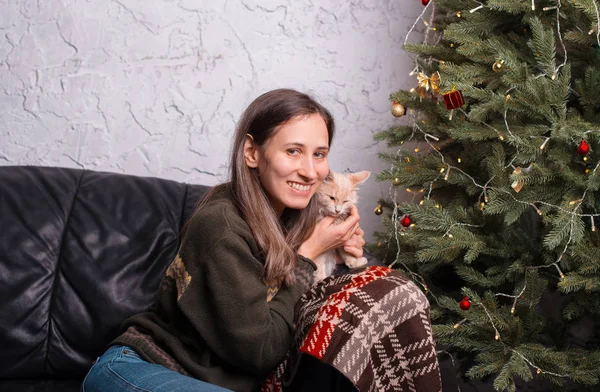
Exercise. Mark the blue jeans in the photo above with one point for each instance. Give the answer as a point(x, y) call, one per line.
point(120, 368)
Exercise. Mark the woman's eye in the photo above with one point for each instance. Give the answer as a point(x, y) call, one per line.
point(320, 154)
point(293, 151)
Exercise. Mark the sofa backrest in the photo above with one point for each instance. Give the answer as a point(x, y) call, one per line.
point(80, 251)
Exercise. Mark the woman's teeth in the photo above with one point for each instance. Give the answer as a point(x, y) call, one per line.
point(298, 186)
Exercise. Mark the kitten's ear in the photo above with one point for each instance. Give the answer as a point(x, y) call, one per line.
point(329, 177)
point(359, 178)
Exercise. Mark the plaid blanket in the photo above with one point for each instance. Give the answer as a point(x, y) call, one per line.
point(373, 326)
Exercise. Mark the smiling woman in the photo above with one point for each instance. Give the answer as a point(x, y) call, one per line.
point(224, 313)
point(295, 156)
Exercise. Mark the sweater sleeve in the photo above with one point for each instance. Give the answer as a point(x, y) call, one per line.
point(226, 301)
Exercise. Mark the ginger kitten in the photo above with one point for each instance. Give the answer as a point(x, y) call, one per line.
point(335, 197)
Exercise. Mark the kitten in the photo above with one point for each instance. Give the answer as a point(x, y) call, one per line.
point(335, 197)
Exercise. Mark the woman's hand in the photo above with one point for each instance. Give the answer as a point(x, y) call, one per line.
point(327, 236)
point(354, 246)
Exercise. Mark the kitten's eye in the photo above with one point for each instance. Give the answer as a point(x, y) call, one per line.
point(332, 198)
point(346, 201)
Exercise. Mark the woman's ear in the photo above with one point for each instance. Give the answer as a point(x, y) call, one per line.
point(250, 152)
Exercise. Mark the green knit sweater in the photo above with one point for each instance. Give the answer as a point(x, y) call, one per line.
point(214, 317)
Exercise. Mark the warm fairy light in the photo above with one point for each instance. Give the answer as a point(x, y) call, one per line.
point(585, 159)
point(497, 337)
point(538, 371)
point(416, 149)
point(450, 236)
point(459, 14)
point(437, 206)
point(408, 190)
point(533, 5)
point(507, 97)
point(593, 224)
point(447, 174)
point(412, 90)
point(512, 310)
point(562, 276)
point(461, 322)
point(443, 169)
point(422, 202)
point(459, 160)
point(536, 209)
point(412, 225)
point(544, 143)
point(550, 8)
point(501, 137)
point(476, 9)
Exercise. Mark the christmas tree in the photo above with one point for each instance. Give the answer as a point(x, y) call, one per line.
point(498, 148)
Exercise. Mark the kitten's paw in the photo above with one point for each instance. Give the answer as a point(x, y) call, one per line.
point(353, 262)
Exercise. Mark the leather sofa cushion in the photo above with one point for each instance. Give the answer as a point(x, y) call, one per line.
point(80, 251)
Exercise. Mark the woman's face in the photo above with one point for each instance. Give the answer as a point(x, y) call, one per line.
point(293, 162)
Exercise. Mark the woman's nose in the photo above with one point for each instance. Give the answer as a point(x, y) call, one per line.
point(307, 169)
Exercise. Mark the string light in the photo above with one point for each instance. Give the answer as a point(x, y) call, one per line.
point(476, 8)
point(536, 209)
point(461, 322)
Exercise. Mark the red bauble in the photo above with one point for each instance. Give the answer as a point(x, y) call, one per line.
point(424, 2)
point(465, 304)
point(583, 148)
point(454, 99)
point(406, 221)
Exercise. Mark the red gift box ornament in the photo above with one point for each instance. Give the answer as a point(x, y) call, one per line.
point(454, 99)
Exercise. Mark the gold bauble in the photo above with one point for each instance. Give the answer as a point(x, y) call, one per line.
point(498, 66)
point(378, 210)
point(398, 110)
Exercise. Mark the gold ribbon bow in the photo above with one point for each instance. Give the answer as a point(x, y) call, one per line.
point(426, 83)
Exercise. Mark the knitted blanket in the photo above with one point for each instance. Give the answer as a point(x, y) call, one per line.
point(373, 326)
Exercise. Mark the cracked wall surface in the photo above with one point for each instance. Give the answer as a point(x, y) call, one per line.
point(155, 87)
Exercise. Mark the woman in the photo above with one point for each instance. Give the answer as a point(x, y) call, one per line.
point(223, 315)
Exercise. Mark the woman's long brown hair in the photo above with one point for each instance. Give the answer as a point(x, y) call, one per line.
point(278, 237)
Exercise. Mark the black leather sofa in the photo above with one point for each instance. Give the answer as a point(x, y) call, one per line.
point(80, 251)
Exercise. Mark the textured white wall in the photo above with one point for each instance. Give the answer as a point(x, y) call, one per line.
point(154, 87)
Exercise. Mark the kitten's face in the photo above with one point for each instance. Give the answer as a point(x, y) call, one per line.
point(338, 193)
